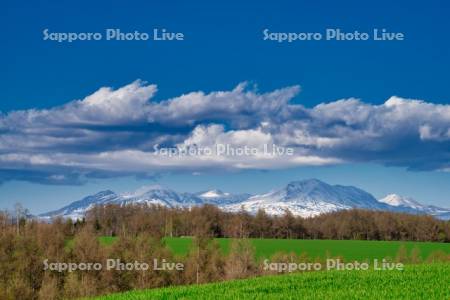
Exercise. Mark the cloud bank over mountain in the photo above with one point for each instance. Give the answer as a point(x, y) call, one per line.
point(115, 133)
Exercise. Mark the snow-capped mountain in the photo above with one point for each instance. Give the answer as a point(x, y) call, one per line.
point(213, 194)
point(397, 200)
point(156, 194)
point(153, 194)
point(407, 204)
point(149, 195)
point(77, 209)
point(304, 198)
point(309, 198)
point(219, 198)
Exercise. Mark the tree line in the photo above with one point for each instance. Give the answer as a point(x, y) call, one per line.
point(210, 221)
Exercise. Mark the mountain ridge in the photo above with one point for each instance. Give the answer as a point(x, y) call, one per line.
point(305, 198)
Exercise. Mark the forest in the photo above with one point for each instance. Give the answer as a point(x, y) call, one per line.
point(210, 221)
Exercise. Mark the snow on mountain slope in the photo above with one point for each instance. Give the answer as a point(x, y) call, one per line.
point(154, 194)
point(308, 198)
point(213, 194)
point(407, 204)
point(77, 209)
point(397, 200)
point(158, 195)
point(304, 198)
point(219, 198)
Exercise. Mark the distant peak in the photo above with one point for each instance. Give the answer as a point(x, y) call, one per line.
point(213, 194)
point(105, 192)
point(398, 200)
point(307, 183)
point(145, 189)
point(392, 199)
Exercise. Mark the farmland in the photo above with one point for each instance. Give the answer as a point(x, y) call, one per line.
point(415, 282)
point(245, 267)
point(238, 265)
point(348, 249)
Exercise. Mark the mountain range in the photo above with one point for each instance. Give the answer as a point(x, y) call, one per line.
point(306, 198)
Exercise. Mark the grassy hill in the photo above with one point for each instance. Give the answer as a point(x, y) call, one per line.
point(415, 282)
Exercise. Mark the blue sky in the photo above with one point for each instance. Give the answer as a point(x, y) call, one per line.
point(223, 48)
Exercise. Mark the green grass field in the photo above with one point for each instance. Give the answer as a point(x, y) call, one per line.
point(350, 250)
point(415, 282)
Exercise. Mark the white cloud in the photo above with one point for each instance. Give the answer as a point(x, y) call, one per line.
point(113, 132)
